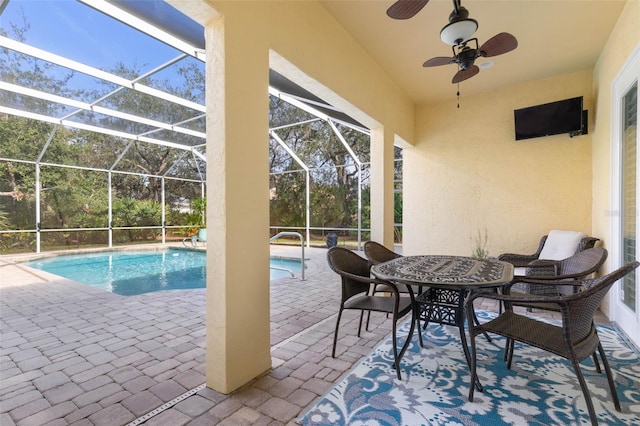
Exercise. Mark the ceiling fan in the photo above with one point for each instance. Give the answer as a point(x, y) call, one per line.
point(457, 33)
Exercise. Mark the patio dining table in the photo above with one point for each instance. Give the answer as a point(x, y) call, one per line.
point(445, 281)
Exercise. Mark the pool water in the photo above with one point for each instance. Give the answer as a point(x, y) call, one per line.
point(136, 272)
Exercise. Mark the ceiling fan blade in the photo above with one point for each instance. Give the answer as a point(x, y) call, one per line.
point(498, 44)
point(405, 9)
point(465, 74)
point(439, 60)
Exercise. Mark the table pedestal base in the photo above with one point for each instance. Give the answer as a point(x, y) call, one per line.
point(446, 307)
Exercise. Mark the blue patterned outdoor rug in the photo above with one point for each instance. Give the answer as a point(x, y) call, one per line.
point(540, 389)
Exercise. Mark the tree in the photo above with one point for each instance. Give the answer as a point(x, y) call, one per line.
point(334, 200)
point(75, 198)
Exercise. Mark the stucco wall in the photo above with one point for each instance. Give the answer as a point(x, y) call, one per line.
point(467, 172)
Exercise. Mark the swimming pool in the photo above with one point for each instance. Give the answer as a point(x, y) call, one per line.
point(136, 272)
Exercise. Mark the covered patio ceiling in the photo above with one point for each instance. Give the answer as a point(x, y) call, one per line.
point(134, 70)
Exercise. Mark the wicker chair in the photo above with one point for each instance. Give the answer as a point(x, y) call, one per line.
point(575, 339)
point(545, 261)
point(579, 266)
point(523, 260)
point(377, 253)
point(356, 282)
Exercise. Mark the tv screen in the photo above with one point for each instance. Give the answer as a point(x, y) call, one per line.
point(549, 119)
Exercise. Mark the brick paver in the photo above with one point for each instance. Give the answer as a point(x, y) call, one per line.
point(142, 402)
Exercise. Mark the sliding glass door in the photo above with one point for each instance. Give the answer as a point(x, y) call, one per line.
point(626, 229)
point(629, 197)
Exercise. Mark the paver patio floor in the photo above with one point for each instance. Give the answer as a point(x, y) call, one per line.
point(71, 354)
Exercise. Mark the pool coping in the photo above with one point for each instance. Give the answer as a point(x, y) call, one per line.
point(26, 257)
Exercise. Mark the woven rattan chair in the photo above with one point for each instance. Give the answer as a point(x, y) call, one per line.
point(523, 260)
point(555, 274)
point(546, 260)
point(377, 253)
point(575, 339)
point(356, 283)
point(578, 266)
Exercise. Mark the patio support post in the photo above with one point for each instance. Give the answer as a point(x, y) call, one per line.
point(237, 309)
point(382, 198)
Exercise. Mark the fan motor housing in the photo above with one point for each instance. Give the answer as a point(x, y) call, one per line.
point(466, 58)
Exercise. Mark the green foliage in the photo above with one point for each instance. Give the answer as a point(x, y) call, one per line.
point(4, 219)
point(480, 245)
point(199, 209)
point(288, 199)
point(197, 217)
point(73, 198)
point(397, 207)
point(129, 212)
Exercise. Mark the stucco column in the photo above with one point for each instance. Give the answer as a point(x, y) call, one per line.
point(382, 155)
point(237, 313)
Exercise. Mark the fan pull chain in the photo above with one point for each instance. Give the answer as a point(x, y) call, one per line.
point(458, 95)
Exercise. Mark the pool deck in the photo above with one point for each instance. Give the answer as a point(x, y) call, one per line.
point(71, 354)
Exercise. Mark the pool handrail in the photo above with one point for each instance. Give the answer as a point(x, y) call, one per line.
point(293, 234)
point(277, 268)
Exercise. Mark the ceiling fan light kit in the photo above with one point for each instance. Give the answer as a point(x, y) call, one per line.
point(459, 31)
point(460, 27)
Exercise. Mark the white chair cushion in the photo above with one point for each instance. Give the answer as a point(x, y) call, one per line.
point(561, 244)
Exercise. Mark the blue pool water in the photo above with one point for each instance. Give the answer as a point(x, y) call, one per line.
point(131, 272)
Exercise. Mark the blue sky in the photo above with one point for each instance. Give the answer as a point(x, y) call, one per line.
point(76, 31)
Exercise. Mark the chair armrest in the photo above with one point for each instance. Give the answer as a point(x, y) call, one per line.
point(564, 277)
point(517, 260)
point(587, 243)
point(360, 278)
point(529, 298)
point(543, 268)
point(549, 282)
point(520, 260)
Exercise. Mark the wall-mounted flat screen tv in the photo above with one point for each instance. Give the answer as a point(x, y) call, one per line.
point(554, 118)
